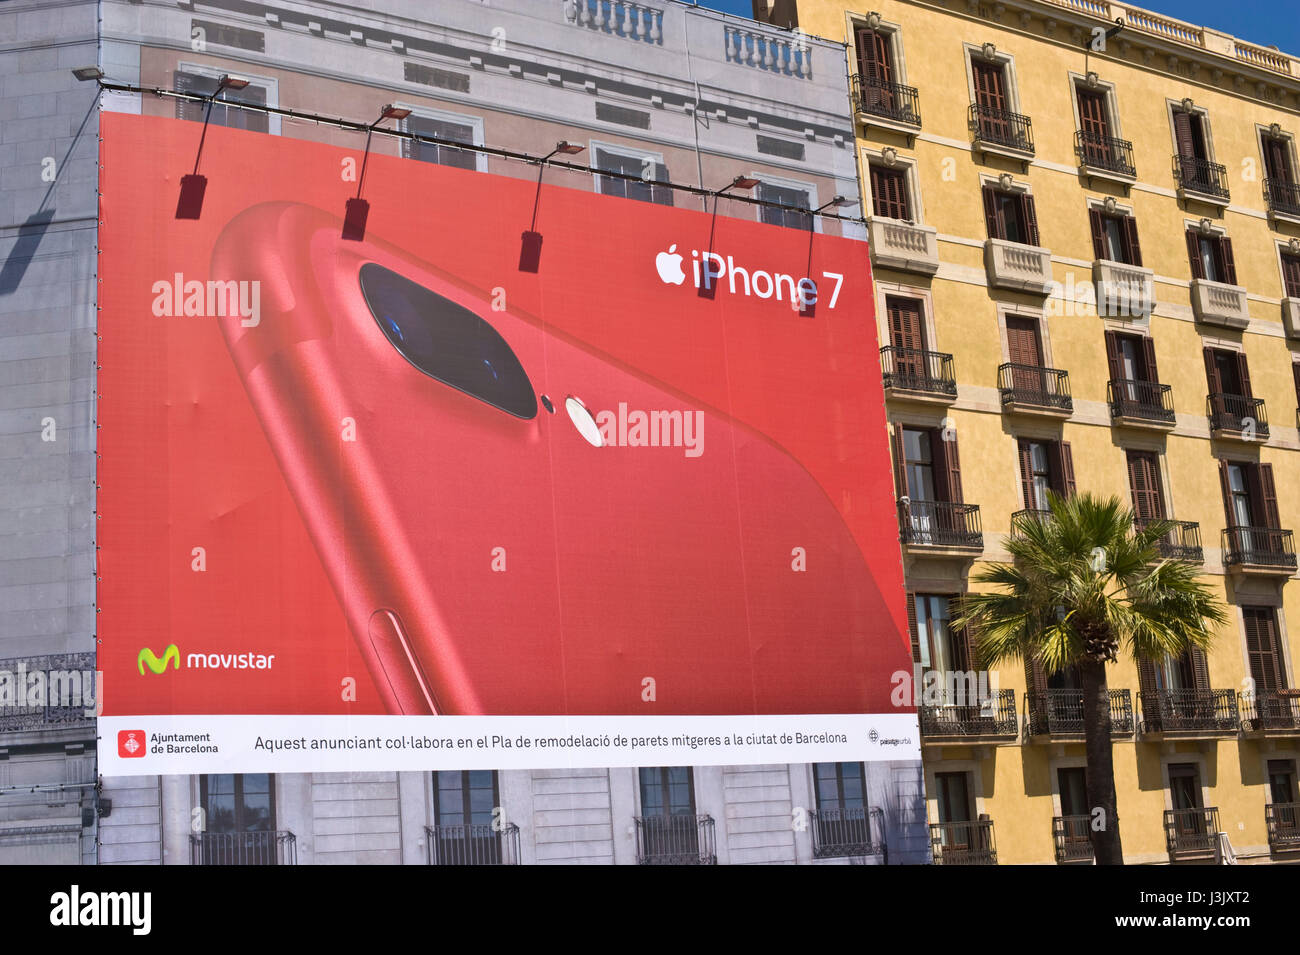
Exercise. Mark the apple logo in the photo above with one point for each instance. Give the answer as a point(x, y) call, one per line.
point(669, 265)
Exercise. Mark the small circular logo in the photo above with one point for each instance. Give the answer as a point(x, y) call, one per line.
point(873, 735)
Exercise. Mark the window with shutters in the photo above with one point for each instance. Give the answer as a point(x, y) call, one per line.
point(1263, 649)
point(195, 80)
point(889, 192)
point(648, 170)
point(1281, 189)
point(993, 115)
point(1097, 142)
point(1144, 485)
point(1135, 393)
point(1291, 275)
point(1045, 466)
point(1211, 257)
point(1010, 216)
point(450, 129)
point(878, 84)
point(1254, 534)
point(1231, 406)
point(1115, 237)
point(927, 477)
point(1193, 157)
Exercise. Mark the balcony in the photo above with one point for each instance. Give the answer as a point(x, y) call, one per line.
point(1259, 550)
point(1192, 833)
point(939, 526)
point(1237, 417)
point(1031, 389)
point(886, 105)
point(1072, 837)
point(963, 843)
point(1283, 200)
point(69, 698)
point(679, 839)
point(1291, 317)
point(1022, 268)
point(1283, 822)
point(1058, 714)
point(1105, 157)
point(244, 848)
point(1202, 180)
point(480, 844)
point(993, 721)
point(1002, 132)
point(1123, 291)
point(1270, 714)
point(849, 833)
point(903, 246)
point(1020, 518)
point(1181, 542)
point(1189, 714)
point(1216, 303)
point(1141, 404)
point(916, 375)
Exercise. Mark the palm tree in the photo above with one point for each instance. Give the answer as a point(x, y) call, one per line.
point(1083, 581)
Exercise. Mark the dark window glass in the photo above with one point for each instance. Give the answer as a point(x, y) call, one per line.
point(243, 803)
point(795, 199)
point(647, 184)
point(435, 152)
point(222, 114)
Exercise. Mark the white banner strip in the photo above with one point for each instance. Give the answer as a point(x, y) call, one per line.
point(149, 745)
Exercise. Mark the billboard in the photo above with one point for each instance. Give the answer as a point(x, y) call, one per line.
point(511, 477)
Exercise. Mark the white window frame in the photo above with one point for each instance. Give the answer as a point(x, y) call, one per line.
point(803, 186)
point(627, 152)
point(268, 83)
point(446, 116)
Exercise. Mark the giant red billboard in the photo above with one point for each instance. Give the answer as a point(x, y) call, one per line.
point(508, 477)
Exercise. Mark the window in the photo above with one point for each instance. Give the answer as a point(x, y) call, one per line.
point(1072, 785)
point(1197, 172)
point(1144, 485)
point(464, 802)
point(843, 821)
point(238, 819)
point(1280, 186)
point(253, 94)
point(1211, 257)
point(1263, 652)
point(1281, 786)
point(906, 324)
point(1185, 786)
point(1097, 143)
point(667, 791)
point(936, 645)
point(1131, 358)
point(462, 131)
point(1010, 216)
point(1250, 499)
point(889, 194)
point(927, 469)
point(839, 786)
point(650, 173)
point(1114, 237)
point(878, 84)
point(1045, 466)
point(1024, 343)
point(1232, 406)
point(954, 799)
point(875, 57)
point(1291, 275)
point(790, 196)
point(668, 825)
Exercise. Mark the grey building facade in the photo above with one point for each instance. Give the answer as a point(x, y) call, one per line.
point(663, 90)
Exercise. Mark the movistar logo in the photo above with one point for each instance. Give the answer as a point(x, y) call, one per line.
point(147, 657)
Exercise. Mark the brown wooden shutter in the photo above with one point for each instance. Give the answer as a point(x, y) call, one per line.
point(1261, 649)
point(1144, 484)
point(1022, 342)
point(1067, 468)
point(906, 329)
point(947, 466)
point(1225, 488)
point(1229, 265)
point(900, 462)
point(889, 193)
point(1194, 255)
point(1098, 234)
point(1295, 373)
point(1277, 161)
point(1112, 356)
point(1149, 359)
point(874, 56)
point(1212, 372)
point(1183, 134)
point(1131, 237)
point(1200, 669)
point(1291, 275)
point(1035, 685)
point(1268, 492)
point(991, 220)
point(914, 633)
point(1026, 474)
point(1243, 372)
point(989, 91)
point(1092, 113)
point(1031, 218)
point(1150, 694)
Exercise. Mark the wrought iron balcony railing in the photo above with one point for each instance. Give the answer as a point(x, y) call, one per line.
point(1001, 127)
point(1035, 386)
point(679, 839)
point(1059, 713)
point(269, 847)
point(1105, 152)
point(1190, 712)
point(1181, 542)
point(911, 369)
point(1283, 822)
point(1282, 196)
point(475, 844)
point(994, 718)
point(1263, 712)
point(1020, 518)
point(1237, 414)
point(1202, 176)
point(1259, 546)
point(841, 833)
point(69, 691)
point(1072, 837)
point(939, 524)
point(893, 101)
point(1144, 400)
point(1191, 832)
point(963, 843)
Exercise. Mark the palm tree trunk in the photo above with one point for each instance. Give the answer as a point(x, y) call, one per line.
point(1101, 767)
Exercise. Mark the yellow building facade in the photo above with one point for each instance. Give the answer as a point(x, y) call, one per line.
point(1086, 244)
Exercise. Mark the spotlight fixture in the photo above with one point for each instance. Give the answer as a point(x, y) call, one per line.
point(740, 182)
point(84, 73)
point(566, 148)
point(357, 210)
point(837, 202)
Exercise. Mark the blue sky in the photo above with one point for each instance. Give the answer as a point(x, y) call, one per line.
point(1275, 24)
